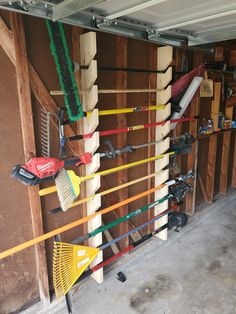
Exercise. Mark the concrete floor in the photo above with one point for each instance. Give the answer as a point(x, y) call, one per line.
point(193, 272)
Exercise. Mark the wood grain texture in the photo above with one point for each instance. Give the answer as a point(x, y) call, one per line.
point(225, 162)
point(76, 32)
point(23, 87)
point(121, 102)
point(152, 82)
point(225, 155)
point(234, 165)
point(211, 164)
point(192, 157)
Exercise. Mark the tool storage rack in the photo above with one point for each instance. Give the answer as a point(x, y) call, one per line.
point(88, 51)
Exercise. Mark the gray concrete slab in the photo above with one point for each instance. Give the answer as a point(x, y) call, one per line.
point(193, 272)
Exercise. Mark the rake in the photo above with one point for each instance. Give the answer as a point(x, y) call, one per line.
point(70, 261)
point(68, 183)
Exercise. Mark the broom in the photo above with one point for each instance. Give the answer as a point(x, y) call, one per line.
point(64, 66)
point(108, 191)
point(68, 183)
point(70, 261)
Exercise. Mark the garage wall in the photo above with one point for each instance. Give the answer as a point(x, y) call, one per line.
point(17, 273)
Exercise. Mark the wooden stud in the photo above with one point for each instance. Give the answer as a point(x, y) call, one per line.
point(202, 186)
point(121, 101)
point(90, 99)
point(23, 87)
point(88, 77)
point(163, 79)
point(152, 83)
point(215, 105)
point(225, 155)
point(162, 147)
point(219, 53)
point(234, 165)
point(164, 58)
point(162, 130)
point(162, 207)
point(211, 163)
point(192, 159)
point(225, 162)
point(232, 58)
point(88, 47)
point(91, 122)
point(163, 114)
point(76, 33)
point(178, 130)
point(164, 95)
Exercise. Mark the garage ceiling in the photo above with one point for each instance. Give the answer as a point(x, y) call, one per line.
point(175, 22)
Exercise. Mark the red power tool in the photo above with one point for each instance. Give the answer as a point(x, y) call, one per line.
point(41, 169)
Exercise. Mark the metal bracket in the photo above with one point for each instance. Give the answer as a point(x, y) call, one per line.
point(154, 35)
point(102, 22)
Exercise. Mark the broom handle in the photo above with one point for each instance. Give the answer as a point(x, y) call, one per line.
point(75, 223)
point(53, 189)
point(108, 191)
point(120, 220)
point(110, 91)
point(126, 110)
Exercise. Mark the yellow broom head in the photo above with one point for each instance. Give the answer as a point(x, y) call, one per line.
point(69, 262)
point(68, 187)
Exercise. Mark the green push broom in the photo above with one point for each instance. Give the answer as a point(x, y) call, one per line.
point(65, 70)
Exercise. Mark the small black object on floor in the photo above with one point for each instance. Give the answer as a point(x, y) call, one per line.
point(121, 277)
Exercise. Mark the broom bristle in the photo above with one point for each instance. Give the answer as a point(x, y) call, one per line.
point(69, 262)
point(67, 184)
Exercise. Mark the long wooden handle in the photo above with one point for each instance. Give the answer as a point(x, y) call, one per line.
point(48, 190)
point(74, 224)
point(111, 190)
point(110, 91)
point(52, 189)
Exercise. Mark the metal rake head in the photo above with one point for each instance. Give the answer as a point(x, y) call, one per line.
point(45, 132)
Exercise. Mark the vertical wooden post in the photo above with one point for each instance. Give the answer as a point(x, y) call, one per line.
point(76, 32)
point(88, 50)
point(211, 165)
point(225, 155)
point(225, 162)
point(23, 87)
point(192, 157)
point(234, 165)
point(152, 82)
point(121, 102)
point(178, 130)
point(164, 58)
